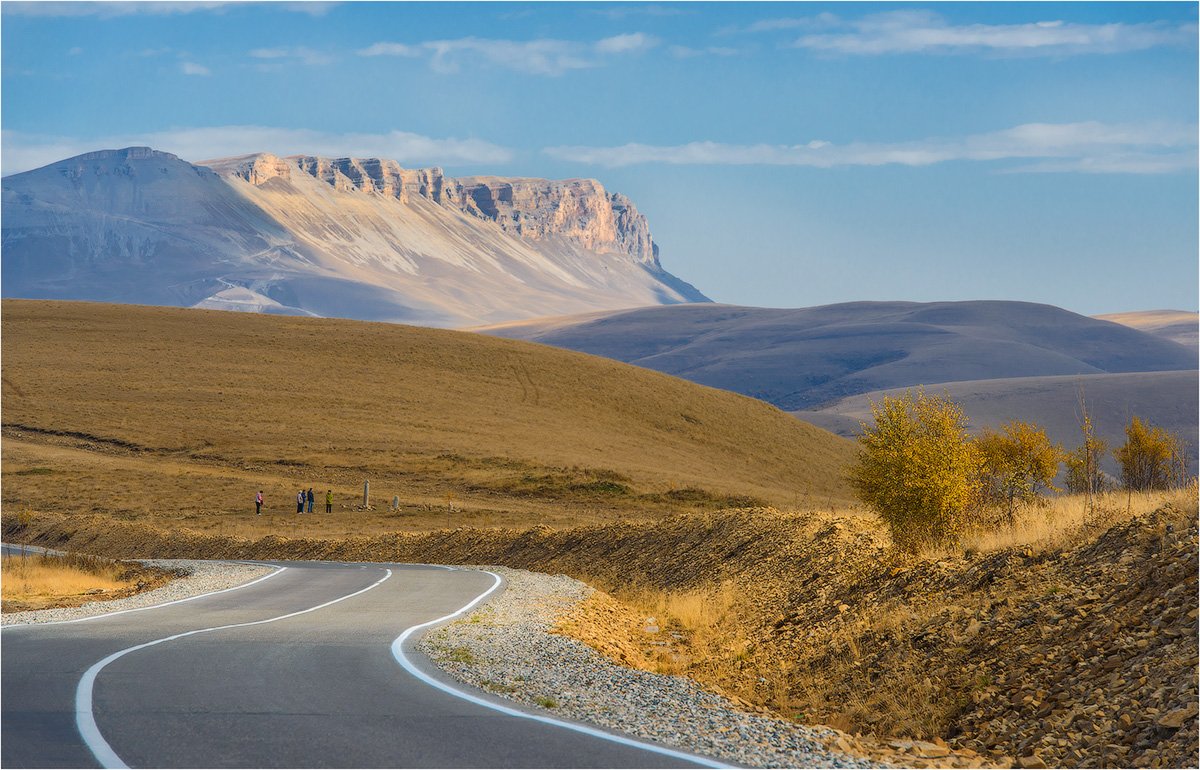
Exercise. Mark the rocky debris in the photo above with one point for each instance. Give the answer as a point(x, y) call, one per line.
point(506, 649)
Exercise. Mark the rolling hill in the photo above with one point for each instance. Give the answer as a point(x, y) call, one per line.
point(811, 357)
point(1176, 325)
point(140, 411)
point(338, 237)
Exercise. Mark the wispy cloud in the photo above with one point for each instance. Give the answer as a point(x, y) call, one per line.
point(293, 54)
point(191, 68)
point(820, 21)
point(543, 56)
point(909, 32)
point(630, 43)
point(392, 49)
point(624, 11)
point(686, 52)
point(152, 8)
point(23, 151)
point(1079, 147)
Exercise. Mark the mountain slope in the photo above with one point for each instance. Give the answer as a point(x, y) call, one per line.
point(344, 237)
point(805, 358)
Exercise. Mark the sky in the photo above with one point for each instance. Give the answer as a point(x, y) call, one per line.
point(785, 154)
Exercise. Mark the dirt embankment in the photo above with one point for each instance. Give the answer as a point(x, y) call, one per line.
point(1082, 655)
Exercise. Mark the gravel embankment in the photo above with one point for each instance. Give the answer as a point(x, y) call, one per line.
point(200, 577)
point(506, 648)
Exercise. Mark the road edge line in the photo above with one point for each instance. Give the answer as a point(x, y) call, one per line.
point(407, 664)
point(85, 720)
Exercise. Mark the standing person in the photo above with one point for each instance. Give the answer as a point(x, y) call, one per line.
point(300, 501)
point(311, 498)
point(258, 503)
point(329, 501)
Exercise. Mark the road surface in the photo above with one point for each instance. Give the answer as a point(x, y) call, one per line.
point(303, 668)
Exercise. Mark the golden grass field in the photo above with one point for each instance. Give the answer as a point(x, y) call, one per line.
point(33, 581)
point(177, 417)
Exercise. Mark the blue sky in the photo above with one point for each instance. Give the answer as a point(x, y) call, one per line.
point(785, 154)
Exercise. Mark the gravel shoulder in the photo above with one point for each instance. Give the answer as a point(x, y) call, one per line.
point(196, 577)
point(506, 648)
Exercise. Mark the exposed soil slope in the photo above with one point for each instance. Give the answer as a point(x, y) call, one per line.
point(170, 410)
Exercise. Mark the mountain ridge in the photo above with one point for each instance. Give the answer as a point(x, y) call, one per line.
point(347, 237)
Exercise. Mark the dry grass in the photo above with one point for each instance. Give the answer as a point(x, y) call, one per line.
point(37, 581)
point(1058, 522)
point(179, 416)
point(724, 635)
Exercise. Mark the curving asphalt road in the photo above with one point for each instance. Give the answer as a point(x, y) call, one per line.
point(304, 668)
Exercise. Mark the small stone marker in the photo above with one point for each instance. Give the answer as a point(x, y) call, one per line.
point(367, 493)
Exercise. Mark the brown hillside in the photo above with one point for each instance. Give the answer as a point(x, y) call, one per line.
point(138, 411)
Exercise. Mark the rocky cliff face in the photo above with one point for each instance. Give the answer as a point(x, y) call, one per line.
point(580, 210)
point(349, 237)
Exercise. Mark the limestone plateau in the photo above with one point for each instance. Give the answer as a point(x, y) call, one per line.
point(342, 237)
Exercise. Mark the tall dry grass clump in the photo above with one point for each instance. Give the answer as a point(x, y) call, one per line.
point(41, 579)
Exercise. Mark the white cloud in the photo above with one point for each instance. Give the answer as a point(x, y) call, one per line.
point(22, 152)
point(619, 12)
point(821, 20)
point(150, 8)
point(1082, 147)
point(684, 52)
point(898, 32)
point(191, 68)
point(75, 51)
point(297, 53)
point(391, 49)
point(619, 44)
point(543, 56)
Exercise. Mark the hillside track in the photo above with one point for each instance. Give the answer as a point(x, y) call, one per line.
point(296, 670)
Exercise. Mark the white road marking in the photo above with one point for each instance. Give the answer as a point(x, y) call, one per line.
point(85, 720)
point(407, 664)
point(11, 626)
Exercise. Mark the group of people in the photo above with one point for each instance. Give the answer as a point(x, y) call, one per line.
point(302, 499)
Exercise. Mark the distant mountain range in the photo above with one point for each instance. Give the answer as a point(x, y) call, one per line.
point(811, 357)
point(345, 237)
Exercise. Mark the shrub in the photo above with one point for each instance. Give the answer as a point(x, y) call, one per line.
point(1017, 463)
point(917, 468)
point(1150, 458)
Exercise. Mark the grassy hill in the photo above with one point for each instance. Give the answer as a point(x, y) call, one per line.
point(181, 415)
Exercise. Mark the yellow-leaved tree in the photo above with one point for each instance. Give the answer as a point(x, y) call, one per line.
point(1150, 458)
point(1018, 462)
point(917, 468)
